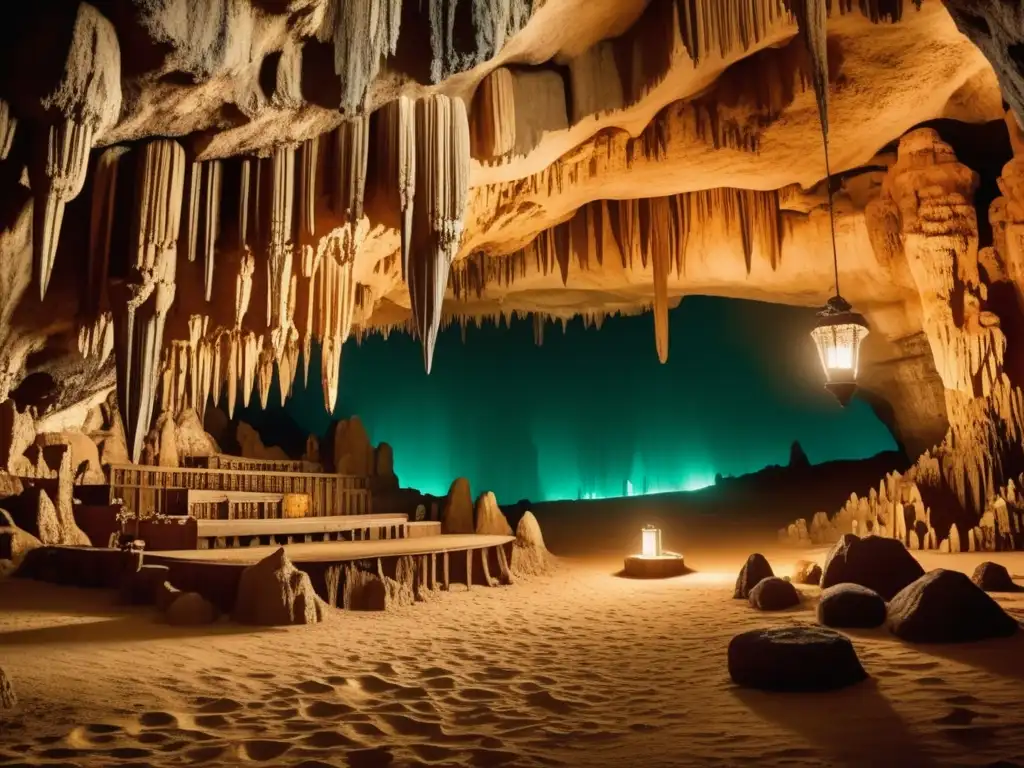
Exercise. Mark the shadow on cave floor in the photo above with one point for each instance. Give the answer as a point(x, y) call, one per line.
point(87, 616)
point(823, 719)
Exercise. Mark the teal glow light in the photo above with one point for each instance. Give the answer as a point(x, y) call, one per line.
point(592, 411)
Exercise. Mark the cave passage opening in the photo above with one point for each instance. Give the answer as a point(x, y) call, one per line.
point(590, 413)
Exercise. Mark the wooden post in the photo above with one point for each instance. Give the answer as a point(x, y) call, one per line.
point(504, 570)
point(469, 568)
point(445, 583)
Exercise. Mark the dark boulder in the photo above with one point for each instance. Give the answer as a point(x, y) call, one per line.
point(795, 658)
point(851, 605)
point(190, 609)
point(880, 564)
point(755, 569)
point(774, 594)
point(947, 607)
point(993, 577)
point(806, 572)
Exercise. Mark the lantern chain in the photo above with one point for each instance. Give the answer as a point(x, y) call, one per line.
point(831, 212)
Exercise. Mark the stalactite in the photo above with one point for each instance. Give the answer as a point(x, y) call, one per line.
point(101, 222)
point(538, 329)
point(195, 186)
point(365, 32)
point(662, 247)
point(146, 294)
point(57, 177)
point(494, 116)
point(8, 125)
point(309, 157)
point(442, 188)
point(726, 25)
point(812, 19)
point(337, 304)
point(491, 22)
point(280, 245)
point(395, 128)
point(351, 147)
point(211, 221)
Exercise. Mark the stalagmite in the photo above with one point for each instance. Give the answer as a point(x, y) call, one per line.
point(144, 296)
point(396, 164)
point(442, 187)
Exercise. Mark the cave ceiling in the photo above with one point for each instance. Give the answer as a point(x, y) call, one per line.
point(195, 193)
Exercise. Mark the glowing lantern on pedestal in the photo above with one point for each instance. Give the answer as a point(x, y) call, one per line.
point(837, 336)
point(650, 545)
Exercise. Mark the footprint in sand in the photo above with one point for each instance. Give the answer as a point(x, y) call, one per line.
point(205, 754)
point(440, 683)
point(545, 700)
point(329, 740)
point(314, 686)
point(409, 726)
point(478, 694)
point(261, 675)
point(960, 716)
point(157, 719)
point(264, 749)
point(431, 672)
point(930, 681)
point(962, 700)
point(211, 721)
point(367, 729)
point(337, 680)
point(490, 757)
point(433, 754)
point(220, 707)
point(323, 709)
point(916, 666)
point(370, 758)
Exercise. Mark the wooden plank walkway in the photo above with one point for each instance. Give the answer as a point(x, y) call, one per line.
point(296, 526)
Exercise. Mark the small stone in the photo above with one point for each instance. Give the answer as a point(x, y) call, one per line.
point(947, 607)
point(755, 569)
point(993, 577)
point(851, 605)
point(191, 609)
point(806, 572)
point(797, 658)
point(774, 594)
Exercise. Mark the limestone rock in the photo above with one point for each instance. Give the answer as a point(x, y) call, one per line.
point(489, 518)
point(17, 431)
point(8, 699)
point(36, 514)
point(529, 555)
point(773, 594)
point(806, 572)
point(369, 590)
point(85, 457)
point(457, 512)
point(190, 609)
point(755, 569)
point(947, 607)
point(850, 605)
point(190, 437)
point(353, 453)
point(882, 565)
point(15, 544)
point(251, 446)
point(384, 461)
point(798, 658)
point(993, 577)
point(273, 592)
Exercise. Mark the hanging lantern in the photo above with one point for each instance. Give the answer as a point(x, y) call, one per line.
point(837, 336)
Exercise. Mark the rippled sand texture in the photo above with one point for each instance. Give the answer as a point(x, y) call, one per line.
point(581, 668)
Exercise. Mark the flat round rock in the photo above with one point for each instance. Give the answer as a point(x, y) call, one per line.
point(660, 567)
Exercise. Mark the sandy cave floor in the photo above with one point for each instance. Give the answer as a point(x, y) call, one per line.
point(579, 668)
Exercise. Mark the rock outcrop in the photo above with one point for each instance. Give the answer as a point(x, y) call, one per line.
point(529, 555)
point(273, 592)
point(993, 577)
point(947, 607)
point(806, 572)
point(490, 520)
point(457, 512)
point(850, 606)
point(794, 659)
point(753, 571)
point(882, 565)
point(773, 594)
point(15, 544)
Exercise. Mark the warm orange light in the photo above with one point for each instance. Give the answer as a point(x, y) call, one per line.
point(650, 541)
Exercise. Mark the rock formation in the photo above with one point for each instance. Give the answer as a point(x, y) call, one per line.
point(753, 571)
point(849, 605)
point(273, 592)
point(457, 512)
point(798, 658)
point(490, 520)
point(529, 555)
point(8, 699)
point(947, 607)
point(773, 594)
point(195, 197)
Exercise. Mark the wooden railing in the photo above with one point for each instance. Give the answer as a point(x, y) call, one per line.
point(240, 463)
point(146, 491)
